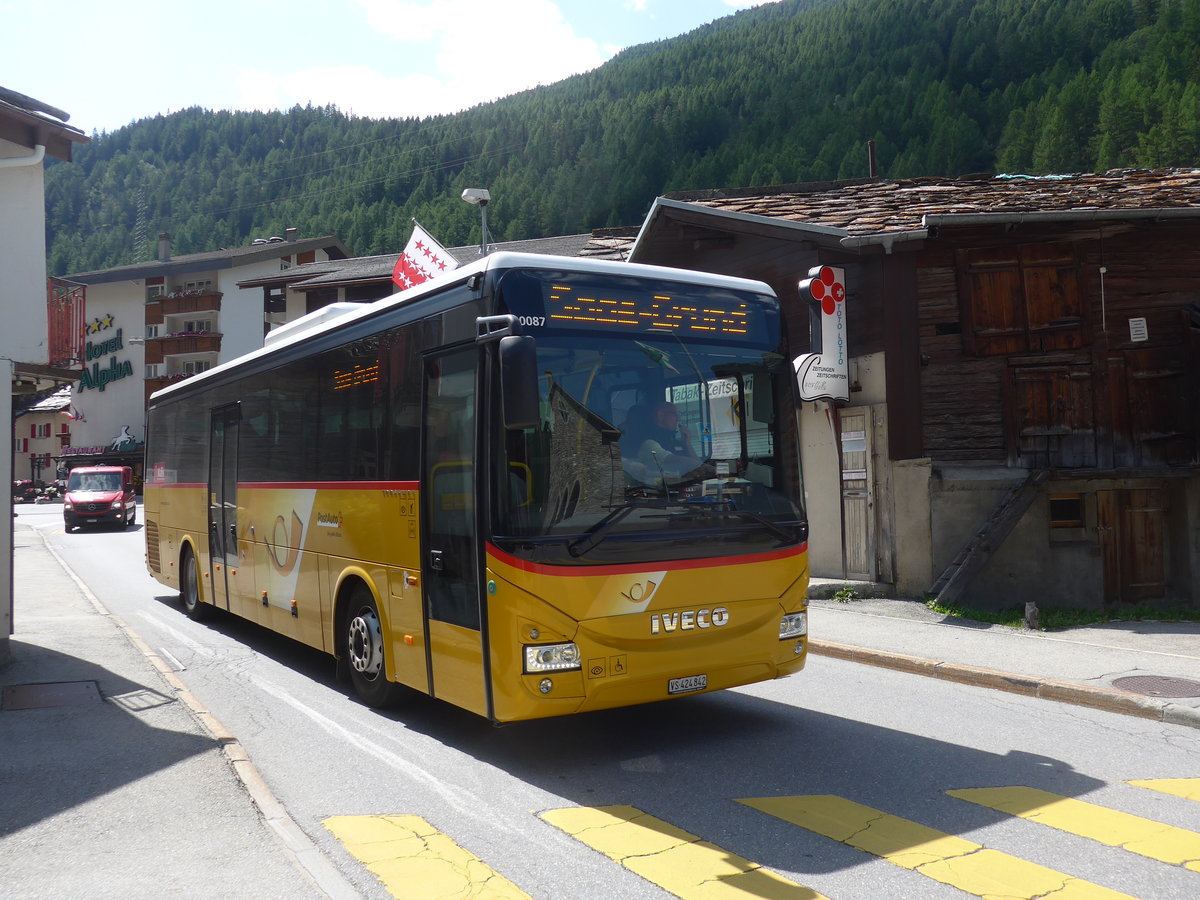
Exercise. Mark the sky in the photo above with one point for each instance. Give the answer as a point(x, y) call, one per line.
point(110, 62)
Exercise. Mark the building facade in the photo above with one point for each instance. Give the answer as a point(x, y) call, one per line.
point(39, 434)
point(30, 130)
point(150, 324)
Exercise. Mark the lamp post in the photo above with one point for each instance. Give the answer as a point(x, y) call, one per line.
point(480, 197)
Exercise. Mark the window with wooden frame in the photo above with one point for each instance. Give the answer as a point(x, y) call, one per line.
point(1066, 511)
point(1022, 298)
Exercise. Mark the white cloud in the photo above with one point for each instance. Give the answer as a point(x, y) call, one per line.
point(359, 90)
point(487, 49)
point(448, 55)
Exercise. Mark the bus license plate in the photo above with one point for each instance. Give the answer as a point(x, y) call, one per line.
point(687, 685)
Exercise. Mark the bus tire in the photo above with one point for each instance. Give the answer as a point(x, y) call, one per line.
point(189, 587)
point(364, 649)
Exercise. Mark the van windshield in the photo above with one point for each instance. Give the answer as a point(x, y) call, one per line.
point(94, 481)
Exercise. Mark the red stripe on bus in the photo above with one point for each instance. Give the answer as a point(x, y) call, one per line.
point(330, 485)
point(305, 485)
point(624, 568)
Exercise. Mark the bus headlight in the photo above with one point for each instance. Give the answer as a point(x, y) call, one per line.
point(552, 658)
point(793, 625)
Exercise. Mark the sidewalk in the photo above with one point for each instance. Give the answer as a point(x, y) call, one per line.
point(113, 783)
point(1146, 669)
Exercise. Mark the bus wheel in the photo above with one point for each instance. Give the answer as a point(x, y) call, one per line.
point(364, 652)
point(189, 587)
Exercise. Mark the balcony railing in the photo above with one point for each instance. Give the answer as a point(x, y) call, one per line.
point(180, 303)
point(154, 384)
point(66, 302)
point(174, 344)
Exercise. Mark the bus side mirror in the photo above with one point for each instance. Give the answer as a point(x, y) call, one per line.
point(519, 382)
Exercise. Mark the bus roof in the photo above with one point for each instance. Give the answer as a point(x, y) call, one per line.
point(338, 315)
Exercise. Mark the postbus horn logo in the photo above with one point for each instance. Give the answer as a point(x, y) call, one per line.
point(289, 543)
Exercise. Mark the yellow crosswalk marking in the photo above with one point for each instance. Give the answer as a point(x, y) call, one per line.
point(417, 862)
point(1155, 840)
point(935, 854)
point(672, 858)
point(1187, 788)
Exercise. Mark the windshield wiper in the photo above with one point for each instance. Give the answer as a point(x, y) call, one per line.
point(704, 508)
point(717, 509)
point(596, 533)
point(776, 530)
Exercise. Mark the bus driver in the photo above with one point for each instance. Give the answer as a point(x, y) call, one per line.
point(663, 446)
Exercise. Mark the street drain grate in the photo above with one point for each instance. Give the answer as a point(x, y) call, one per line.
point(55, 693)
point(1158, 686)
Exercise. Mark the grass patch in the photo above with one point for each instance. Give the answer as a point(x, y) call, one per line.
point(845, 592)
point(1057, 618)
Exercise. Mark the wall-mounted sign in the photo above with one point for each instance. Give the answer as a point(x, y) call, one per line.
point(824, 374)
point(103, 371)
point(1138, 331)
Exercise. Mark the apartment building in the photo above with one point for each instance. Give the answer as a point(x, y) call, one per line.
point(151, 323)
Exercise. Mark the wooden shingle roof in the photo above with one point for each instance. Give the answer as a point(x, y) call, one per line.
point(878, 207)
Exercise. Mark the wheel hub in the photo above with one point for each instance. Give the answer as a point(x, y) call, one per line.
point(365, 644)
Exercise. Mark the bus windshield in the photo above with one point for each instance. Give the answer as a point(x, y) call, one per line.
point(653, 444)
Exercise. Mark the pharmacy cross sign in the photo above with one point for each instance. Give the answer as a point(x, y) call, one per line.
point(824, 373)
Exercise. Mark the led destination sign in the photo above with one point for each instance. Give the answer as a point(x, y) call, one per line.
point(702, 313)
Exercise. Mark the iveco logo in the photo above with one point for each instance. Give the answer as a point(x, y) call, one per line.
point(689, 620)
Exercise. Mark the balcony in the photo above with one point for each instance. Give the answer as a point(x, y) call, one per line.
point(180, 303)
point(174, 344)
point(154, 384)
point(66, 302)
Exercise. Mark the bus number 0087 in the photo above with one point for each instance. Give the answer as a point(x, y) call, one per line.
point(535, 321)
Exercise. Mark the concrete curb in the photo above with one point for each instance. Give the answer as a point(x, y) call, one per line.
point(304, 852)
point(1030, 686)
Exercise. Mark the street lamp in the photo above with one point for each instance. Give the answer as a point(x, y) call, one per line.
point(480, 197)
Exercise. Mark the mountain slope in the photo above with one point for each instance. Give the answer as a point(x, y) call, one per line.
point(782, 93)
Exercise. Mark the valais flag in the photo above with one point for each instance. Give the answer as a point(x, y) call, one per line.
point(422, 259)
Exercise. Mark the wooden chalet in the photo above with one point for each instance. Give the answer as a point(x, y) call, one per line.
point(1024, 417)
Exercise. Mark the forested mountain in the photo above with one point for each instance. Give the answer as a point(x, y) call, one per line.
point(788, 92)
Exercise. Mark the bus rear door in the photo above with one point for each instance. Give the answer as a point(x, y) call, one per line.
point(222, 505)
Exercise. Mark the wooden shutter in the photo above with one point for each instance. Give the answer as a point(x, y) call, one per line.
point(1052, 415)
point(1021, 298)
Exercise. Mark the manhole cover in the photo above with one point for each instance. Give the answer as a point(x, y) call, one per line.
point(57, 693)
point(1158, 686)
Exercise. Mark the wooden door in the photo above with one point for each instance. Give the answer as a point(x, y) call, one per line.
point(1132, 530)
point(857, 532)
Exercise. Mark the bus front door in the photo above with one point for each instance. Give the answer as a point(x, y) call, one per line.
point(450, 543)
point(222, 504)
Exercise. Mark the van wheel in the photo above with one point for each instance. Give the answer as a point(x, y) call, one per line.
point(189, 587)
point(364, 650)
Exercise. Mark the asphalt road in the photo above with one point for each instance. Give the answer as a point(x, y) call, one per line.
point(724, 767)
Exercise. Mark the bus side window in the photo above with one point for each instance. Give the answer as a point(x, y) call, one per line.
point(402, 444)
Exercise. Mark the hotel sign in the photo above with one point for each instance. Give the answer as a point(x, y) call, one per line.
point(105, 367)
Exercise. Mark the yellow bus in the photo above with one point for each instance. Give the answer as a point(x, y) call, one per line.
point(536, 486)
